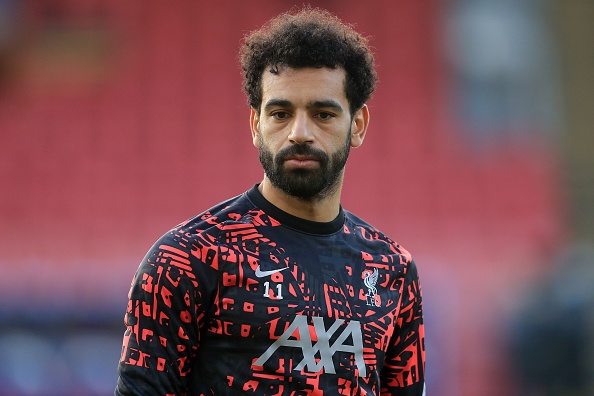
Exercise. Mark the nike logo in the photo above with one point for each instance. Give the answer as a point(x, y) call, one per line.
point(261, 274)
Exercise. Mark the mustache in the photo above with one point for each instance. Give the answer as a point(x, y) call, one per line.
point(301, 149)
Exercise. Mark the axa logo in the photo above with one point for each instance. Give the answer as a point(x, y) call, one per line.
point(317, 355)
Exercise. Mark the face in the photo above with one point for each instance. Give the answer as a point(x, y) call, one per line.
point(304, 130)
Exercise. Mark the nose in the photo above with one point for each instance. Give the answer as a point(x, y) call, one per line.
point(301, 129)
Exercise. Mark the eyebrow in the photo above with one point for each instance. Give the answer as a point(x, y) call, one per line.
point(277, 103)
point(315, 104)
point(329, 103)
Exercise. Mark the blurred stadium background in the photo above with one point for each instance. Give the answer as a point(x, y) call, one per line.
point(119, 119)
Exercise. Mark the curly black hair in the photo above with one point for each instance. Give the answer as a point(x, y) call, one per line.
point(310, 37)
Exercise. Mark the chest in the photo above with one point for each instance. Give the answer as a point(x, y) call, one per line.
point(319, 287)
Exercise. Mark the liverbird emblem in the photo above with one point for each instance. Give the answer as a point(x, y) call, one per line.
point(370, 281)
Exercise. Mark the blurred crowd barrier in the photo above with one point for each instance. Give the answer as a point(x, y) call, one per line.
point(55, 359)
point(551, 336)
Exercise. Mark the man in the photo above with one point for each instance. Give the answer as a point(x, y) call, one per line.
point(280, 291)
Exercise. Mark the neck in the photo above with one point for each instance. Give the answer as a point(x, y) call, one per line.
point(320, 209)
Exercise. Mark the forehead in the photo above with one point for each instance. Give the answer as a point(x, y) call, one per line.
point(304, 84)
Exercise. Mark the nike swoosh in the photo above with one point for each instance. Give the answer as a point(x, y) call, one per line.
point(261, 274)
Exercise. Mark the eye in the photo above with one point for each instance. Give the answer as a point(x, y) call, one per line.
point(324, 115)
point(280, 115)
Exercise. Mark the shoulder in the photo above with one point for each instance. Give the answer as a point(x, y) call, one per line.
point(200, 237)
point(374, 239)
point(181, 238)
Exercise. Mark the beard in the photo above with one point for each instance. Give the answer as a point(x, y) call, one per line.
point(305, 184)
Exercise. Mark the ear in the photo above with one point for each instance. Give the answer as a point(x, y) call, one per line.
point(255, 126)
point(359, 126)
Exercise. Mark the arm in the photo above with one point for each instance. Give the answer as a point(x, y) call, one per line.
point(165, 310)
point(403, 373)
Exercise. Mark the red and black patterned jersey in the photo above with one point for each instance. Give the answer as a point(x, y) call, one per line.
point(248, 299)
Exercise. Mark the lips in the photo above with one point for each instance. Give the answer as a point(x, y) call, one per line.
point(301, 157)
point(301, 161)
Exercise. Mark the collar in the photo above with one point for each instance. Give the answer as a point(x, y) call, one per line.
point(294, 222)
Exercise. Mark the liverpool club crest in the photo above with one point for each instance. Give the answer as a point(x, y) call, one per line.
point(370, 280)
